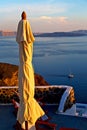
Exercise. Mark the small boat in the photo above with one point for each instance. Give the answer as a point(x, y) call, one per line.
point(71, 76)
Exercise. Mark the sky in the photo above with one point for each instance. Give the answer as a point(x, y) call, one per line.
point(45, 15)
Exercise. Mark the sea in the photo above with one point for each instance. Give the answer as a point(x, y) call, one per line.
point(54, 58)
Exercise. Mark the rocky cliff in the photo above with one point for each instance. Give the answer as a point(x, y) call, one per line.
point(9, 76)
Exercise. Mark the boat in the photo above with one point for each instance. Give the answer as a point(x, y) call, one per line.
point(71, 76)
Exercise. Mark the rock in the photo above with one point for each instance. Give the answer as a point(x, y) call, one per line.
point(9, 76)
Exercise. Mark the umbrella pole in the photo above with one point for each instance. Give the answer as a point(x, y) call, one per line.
point(26, 125)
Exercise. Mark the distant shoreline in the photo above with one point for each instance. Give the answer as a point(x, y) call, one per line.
point(53, 34)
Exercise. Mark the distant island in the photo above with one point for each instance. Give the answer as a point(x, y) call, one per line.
point(63, 34)
point(7, 33)
point(53, 34)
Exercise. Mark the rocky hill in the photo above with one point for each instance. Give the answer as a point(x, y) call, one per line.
point(9, 76)
point(63, 34)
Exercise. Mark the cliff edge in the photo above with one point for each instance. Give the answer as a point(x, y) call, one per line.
point(9, 76)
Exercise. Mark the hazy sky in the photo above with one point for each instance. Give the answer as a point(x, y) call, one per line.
point(44, 15)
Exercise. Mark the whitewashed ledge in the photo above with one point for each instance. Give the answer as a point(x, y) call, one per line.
point(47, 86)
point(8, 87)
point(51, 94)
point(67, 98)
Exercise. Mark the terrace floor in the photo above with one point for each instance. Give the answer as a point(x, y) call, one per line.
point(7, 119)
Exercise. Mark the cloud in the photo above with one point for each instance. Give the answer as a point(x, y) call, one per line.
point(63, 19)
point(50, 16)
point(57, 20)
point(49, 24)
point(35, 10)
point(45, 17)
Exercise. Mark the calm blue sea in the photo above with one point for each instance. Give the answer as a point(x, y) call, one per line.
point(54, 58)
